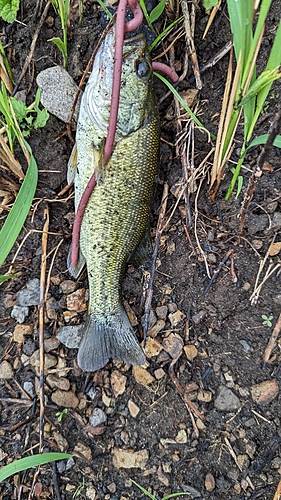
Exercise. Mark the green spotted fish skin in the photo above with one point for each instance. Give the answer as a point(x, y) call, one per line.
point(116, 217)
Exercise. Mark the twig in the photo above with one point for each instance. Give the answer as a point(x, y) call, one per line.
point(257, 170)
point(56, 481)
point(33, 45)
point(278, 492)
point(216, 272)
point(159, 231)
point(41, 326)
point(190, 44)
point(271, 342)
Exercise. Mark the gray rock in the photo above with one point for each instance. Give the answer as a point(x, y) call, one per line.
point(97, 417)
point(70, 336)
point(245, 346)
point(58, 91)
point(29, 388)
point(19, 313)
point(6, 370)
point(30, 295)
point(226, 400)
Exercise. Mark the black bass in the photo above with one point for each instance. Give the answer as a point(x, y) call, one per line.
point(116, 220)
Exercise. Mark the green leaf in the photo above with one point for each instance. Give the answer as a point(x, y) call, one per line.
point(143, 490)
point(9, 10)
point(261, 139)
point(5, 278)
point(19, 108)
point(157, 11)
point(27, 462)
point(16, 218)
point(59, 43)
point(208, 4)
point(41, 118)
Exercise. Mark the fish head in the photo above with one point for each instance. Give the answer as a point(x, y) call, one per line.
point(136, 93)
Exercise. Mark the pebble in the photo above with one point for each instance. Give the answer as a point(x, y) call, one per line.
point(6, 370)
point(58, 91)
point(67, 286)
point(142, 376)
point(20, 331)
point(118, 383)
point(210, 482)
point(76, 301)
point(190, 351)
point(265, 392)
point(162, 477)
point(51, 308)
point(245, 346)
point(97, 417)
point(197, 318)
point(30, 295)
point(152, 348)
point(60, 440)
point(159, 325)
point(81, 449)
point(91, 493)
point(159, 373)
point(19, 313)
point(58, 382)
point(129, 459)
point(172, 307)
point(204, 396)
point(49, 360)
point(133, 408)
point(66, 399)
point(181, 437)
point(70, 336)
point(173, 345)
point(161, 312)
point(226, 400)
point(29, 389)
point(51, 344)
point(176, 318)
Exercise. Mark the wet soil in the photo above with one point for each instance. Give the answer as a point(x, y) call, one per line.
point(213, 331)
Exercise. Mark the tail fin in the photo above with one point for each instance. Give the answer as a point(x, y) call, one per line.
point(108, 337)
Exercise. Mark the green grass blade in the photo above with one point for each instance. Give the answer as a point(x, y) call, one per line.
point(163, 33)
point(143, 490)
point(5, 278)
point(103, 6)
point(261, 139)
point(27, 462)
point(173, 495)
point(184, 105)
point(143, 8)
point(16, 218)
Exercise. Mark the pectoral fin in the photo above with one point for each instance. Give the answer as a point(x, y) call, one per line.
point(75, 271)
point(72, 165)
point(143, 252)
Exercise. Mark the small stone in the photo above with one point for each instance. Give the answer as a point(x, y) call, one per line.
point(173, 345)
point(58, 382)
point(171, 247)
point(51, 344)
point(152, 348)
point(159, 325)
point(162, 477)
point(58, 91)
point(19, 313)
point(129, 459)
point(181, 437)
point(66, 399)
point(67, 286)
point(204, 396)
point(176, 318)
point(133, 408)
point(190, 351)
point(60, 440)
point(131, 314)
point(118, 383)
point(20, 331)
point(76, 300)
point(243, 461)
point(81, 449)
point(112, 487)
point(69, 316)
point(265, 392)
point(226, 400)
point(106, 399)
point(257, 244)
point(246, 286)
point(142, 376)
point(161, 312)
point(159, 373)
point(152, 319)
point(197, 318)
point(70, 336)
point(49, 360)
point(6, 370)
point(30, 295)
point(3, 455)
point(91, 493)
point(51, 308)
point(97, 417)
point(29, 389)
point(172, 307)
point(245, 346)
point(210, 482)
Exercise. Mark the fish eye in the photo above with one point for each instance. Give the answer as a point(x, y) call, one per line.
point(142, 68)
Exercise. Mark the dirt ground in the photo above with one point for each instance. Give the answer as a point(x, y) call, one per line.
point(203, 416)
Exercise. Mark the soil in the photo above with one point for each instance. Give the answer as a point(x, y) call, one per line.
point(212, 338)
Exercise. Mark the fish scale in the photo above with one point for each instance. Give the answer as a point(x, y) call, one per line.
point(116, 217)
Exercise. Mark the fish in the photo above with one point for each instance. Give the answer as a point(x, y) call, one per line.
point(115, 225)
